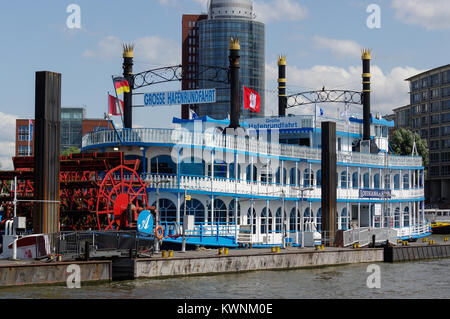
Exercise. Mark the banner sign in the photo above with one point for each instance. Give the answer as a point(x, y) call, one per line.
point(299, 122)
point(180, 97)
point(374, 193)
point(145, 222)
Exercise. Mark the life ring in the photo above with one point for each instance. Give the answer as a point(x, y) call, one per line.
point(159, 234)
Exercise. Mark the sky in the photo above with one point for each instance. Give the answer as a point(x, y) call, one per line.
point(322, 40)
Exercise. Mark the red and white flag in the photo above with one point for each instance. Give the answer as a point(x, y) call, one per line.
point(252, 100)
point(114, 106)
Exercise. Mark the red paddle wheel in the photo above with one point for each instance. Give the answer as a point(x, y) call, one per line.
point(97, 191)
point(122, 196)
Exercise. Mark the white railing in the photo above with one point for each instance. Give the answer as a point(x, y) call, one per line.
point(363, 235)
point(184, 138)
point(414, 230)
point(229, 186)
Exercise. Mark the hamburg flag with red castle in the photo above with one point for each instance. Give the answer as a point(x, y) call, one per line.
point(114, 106)
point(252, 100)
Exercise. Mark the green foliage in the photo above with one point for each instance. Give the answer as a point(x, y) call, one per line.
point(71, 150)
point(402, 141)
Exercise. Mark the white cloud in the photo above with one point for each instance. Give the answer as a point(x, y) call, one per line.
point(152, 50)
point(389, 89)
point(431, 14)
point(340, 48)
point(277, 10)
point(7, 143)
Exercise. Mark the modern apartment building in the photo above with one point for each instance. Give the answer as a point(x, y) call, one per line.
point(428, 115)
point(206, 44)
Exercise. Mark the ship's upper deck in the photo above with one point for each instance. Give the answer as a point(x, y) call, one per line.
point(207, 134)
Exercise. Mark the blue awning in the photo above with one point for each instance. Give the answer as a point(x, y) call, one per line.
point(382, 122)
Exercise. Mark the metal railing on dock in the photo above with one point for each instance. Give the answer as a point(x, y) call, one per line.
point(94, 244)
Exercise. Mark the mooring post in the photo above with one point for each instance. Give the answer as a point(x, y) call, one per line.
point(329, 183)
point(47, 152)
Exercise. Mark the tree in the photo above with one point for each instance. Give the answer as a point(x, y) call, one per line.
point(402, 142)
point(71, 150)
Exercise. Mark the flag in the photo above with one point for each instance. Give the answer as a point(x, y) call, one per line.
point(121, 85)
point(193, 114)
point(114, 106)
point(319, 111)
point(252, 100)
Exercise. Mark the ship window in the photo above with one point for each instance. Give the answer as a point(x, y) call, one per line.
point(292, 221)
point(196, 208)
point(397, 181)
point(344, 219)
point(319, 177)
point(344, 179)
point(376, 181)
point(278, 221)
point(250, 220)
point(397, 218)
point(232, 213)
point(220, 212)
point(319, 220)
point(167, 210)
point(406, 217)
point(232, 171)
point(387, 181)
point(366, 180)
point(308, 178)
point(406, 181)
point(192, 167)
point(355, 180)
point(293, 176)
point(307, 219)
point(278, 177)
point(249, 173)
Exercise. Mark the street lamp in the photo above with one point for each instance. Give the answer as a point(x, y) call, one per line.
point(157, 211)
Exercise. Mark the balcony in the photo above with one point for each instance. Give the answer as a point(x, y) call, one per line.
point(232, 187)
point(252, 146)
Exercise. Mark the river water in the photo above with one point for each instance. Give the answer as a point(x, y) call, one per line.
point(422, 279)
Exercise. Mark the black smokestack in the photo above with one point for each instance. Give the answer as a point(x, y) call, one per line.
point(282, 101)
point(128, 74)
point(366, 94)
point(234, 83)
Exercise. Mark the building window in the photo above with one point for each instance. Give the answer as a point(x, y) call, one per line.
point(435, 157)
point(24, 150)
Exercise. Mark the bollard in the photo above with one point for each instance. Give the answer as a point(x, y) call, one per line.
point(273, 249)
point(322, 247)
point(446, 239)
point(424, 240)
point(170, 253)
point(357, 245)
point(226, 251)
point(278, 250)
point(220, 251)
point(164, 254)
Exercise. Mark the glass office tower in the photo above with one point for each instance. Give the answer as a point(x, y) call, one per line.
point(228, 19)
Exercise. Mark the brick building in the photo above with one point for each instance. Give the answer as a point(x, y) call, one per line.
point(74, 125)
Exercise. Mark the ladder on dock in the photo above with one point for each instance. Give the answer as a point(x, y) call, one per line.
point(244, 235)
